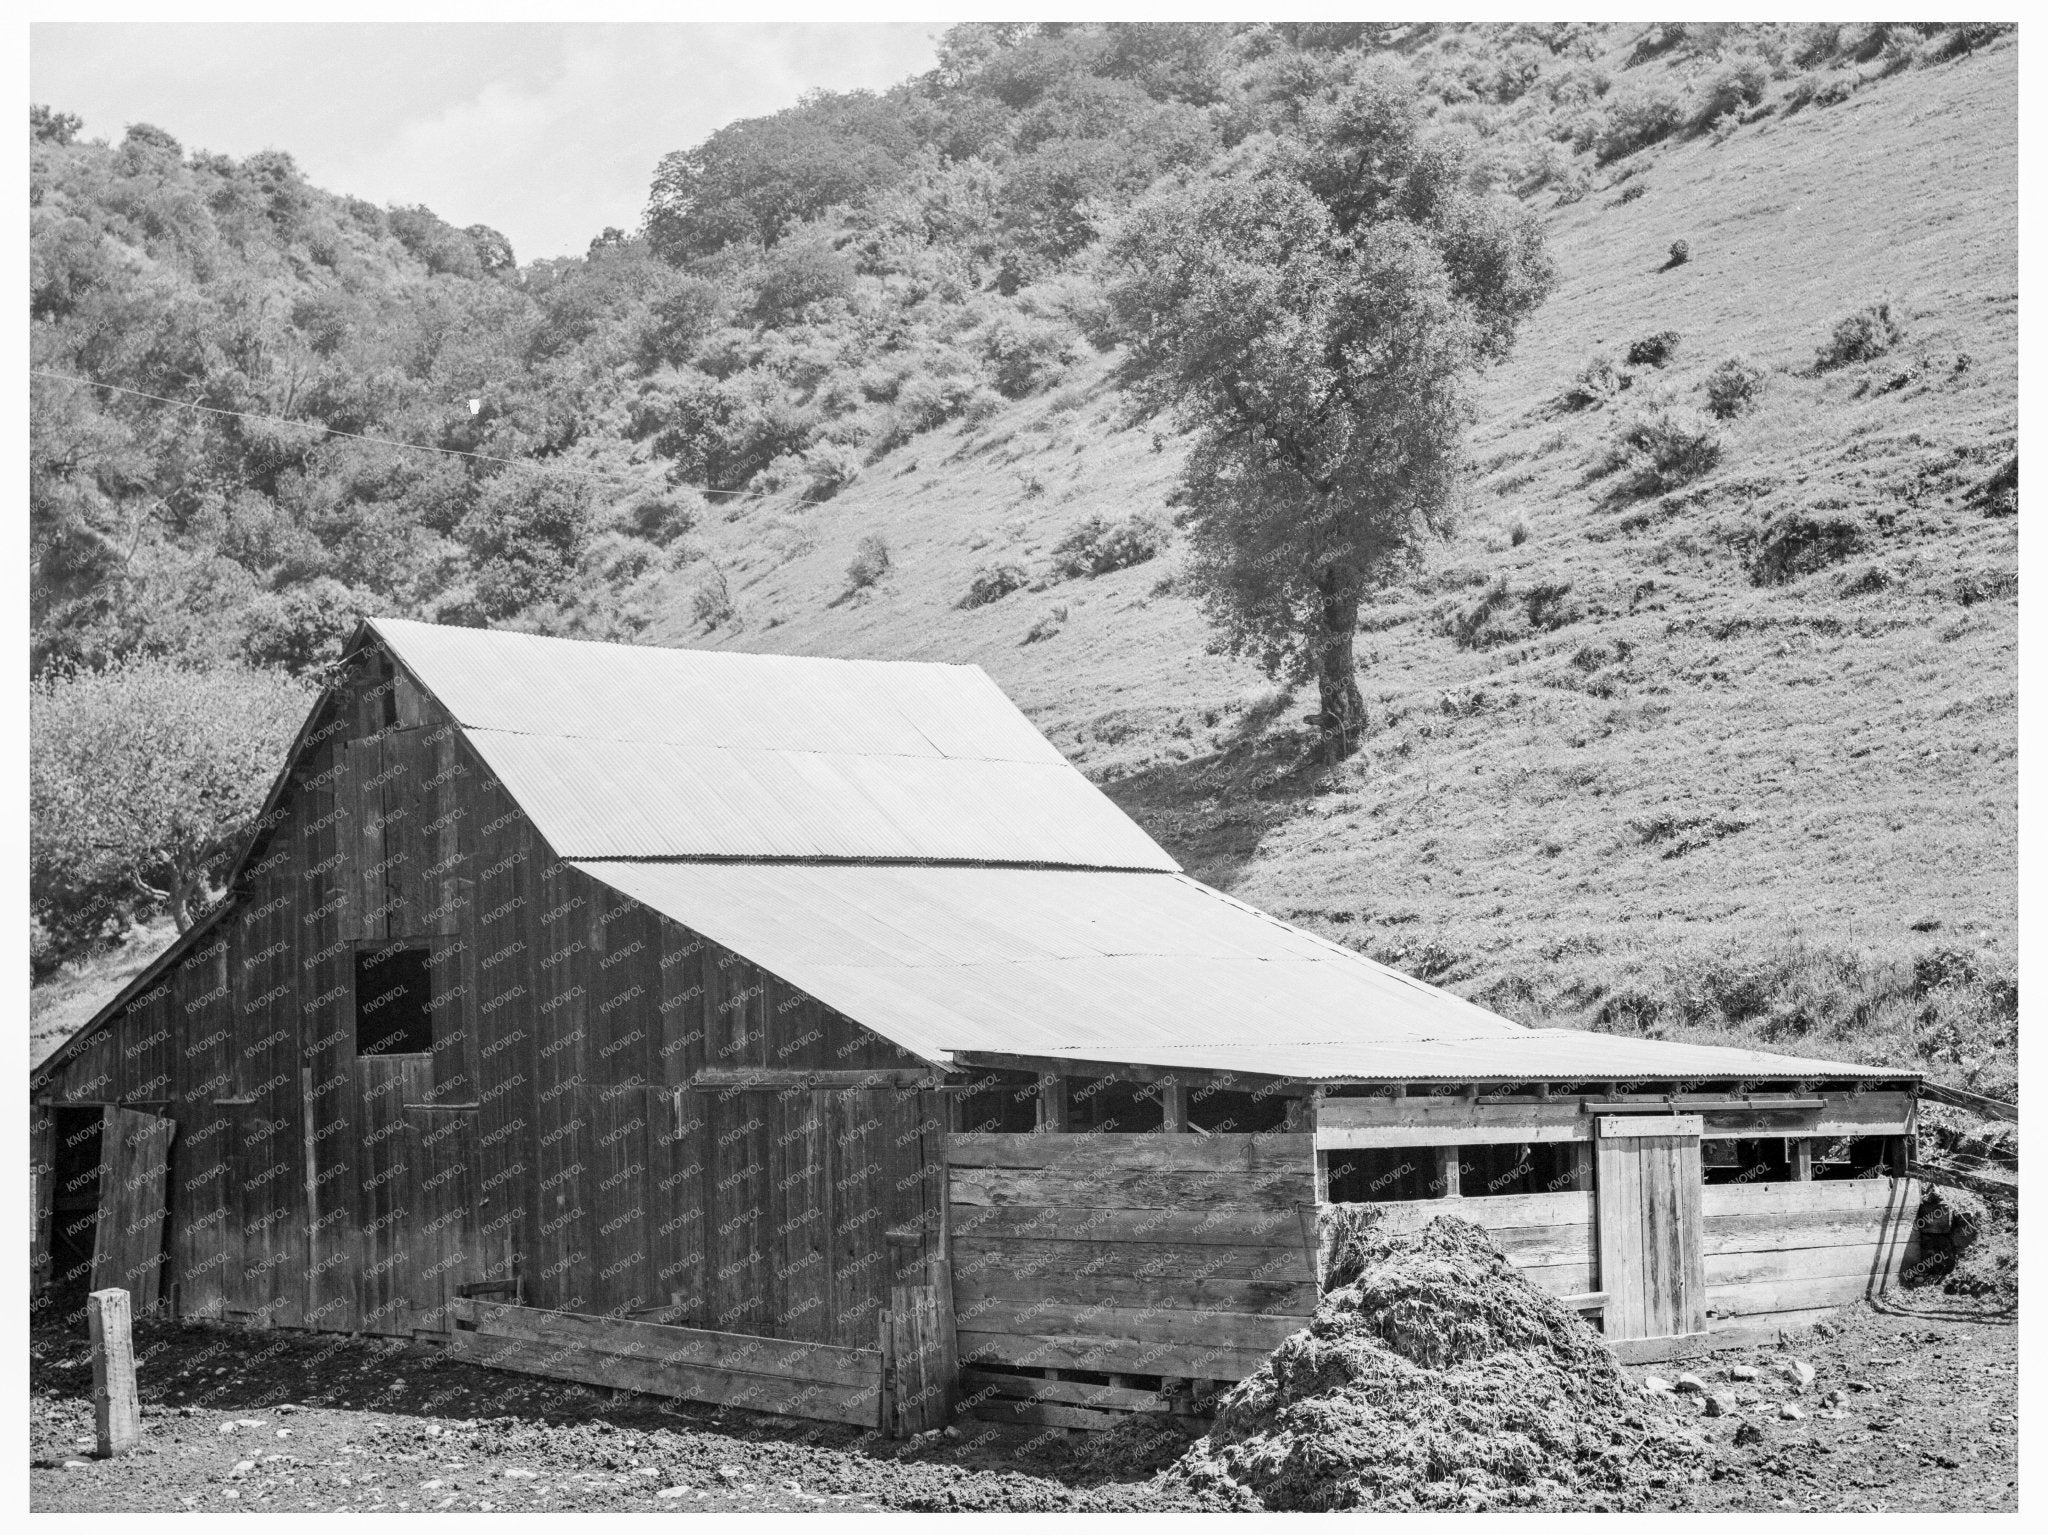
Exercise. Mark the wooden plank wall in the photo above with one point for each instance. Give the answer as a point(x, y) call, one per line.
point(1180, 1256)
point(573, 1019)
point(804, 1380)
point(1550, 1237)
point(1782, 1253)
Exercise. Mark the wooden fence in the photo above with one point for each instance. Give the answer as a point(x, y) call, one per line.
point(1099, 1274)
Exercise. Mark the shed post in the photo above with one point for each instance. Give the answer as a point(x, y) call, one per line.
point(1052, 1102)
point(1447, 1171)
point(116, 1412)
point(1802, 1160)
point(1173, 1106)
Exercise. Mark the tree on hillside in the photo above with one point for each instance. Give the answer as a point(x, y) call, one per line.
point(1314, 309)
point(144, 777)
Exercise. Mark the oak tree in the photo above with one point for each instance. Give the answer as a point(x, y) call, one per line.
point(1314, 309)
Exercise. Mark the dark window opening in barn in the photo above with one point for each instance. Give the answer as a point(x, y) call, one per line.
point(1000, 1108)
point(74, 1204)
point(1229, 1111)
point(1857, 1156)
point(1384, 1174)
point(1110, 1106)
point(1544, 1167)
point(1768, 1160)
point(394, 993)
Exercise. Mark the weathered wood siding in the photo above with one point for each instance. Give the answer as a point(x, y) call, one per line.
point(1784, 1252)
point(1550, 1237)
point(551, 1136)
point(1157, 1254)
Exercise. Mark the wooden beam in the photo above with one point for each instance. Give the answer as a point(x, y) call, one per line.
point(1956, 1097)
point(1052, 1103)
point(767, 1078)
point(1802, 1160)
point(1448, 1172)
point(1948, 1177)
point(1173, 1107)
point(116, 1411)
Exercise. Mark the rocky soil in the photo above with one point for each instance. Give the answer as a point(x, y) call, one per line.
point(1910, 1409)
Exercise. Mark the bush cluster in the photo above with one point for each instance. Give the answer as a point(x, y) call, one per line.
point(1868, 333)
point(1662, 448)
point(991, 583)
point(1653, 351)
point(869, 564)
point(1734, 386)
point(1099, 545)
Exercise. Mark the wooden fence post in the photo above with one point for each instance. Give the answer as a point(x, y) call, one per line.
point(117, 1412)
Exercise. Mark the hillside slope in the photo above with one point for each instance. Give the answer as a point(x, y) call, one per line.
point(1699, 804)
point(1731, 757)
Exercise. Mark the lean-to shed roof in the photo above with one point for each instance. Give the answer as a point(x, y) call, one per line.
point(1134, 968)
point(634, 751)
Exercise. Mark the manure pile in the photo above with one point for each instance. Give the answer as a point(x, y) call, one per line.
point(1437, 1378)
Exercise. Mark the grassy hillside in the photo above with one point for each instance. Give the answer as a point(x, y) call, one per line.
point(1729, 757)
point(1698, 804)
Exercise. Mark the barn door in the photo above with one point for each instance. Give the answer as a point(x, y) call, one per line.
point(1652, 1264)
point(128, 1243)
point(447, 1252)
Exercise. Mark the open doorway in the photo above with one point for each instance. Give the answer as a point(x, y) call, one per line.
point(74, 1206)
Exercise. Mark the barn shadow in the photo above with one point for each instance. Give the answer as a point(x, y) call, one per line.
point(1212, 811)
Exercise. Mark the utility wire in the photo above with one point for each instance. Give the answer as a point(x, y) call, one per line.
point(388, 442)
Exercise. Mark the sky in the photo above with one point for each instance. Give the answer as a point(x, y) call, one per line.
point(547, 133)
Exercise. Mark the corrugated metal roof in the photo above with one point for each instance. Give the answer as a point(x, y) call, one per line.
point(1143, 968)
point(628, 751)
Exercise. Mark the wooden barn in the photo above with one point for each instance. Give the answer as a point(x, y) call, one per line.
point(808, 1034)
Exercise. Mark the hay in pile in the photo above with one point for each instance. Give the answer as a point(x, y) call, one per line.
point(1437, 1378)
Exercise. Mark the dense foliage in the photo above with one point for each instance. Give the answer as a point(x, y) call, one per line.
point(378, 411)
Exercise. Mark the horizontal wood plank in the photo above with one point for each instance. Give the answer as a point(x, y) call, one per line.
point(1637, 1127)
point(1801, 1263)
point(1775, 1232)
point(1282, 1262)
point(1491, 1213)
point(829, 1401)
point(1046, 1414)
point(1167, 1292)
point(1116, 1189)
point(1067, 1351)
point(660, 1343)
point(1088, 1151)
point(1217, 1226)
point(1079, 1393)
point(1255, 1331)
point(1788, 1294)
point(1828, 1194)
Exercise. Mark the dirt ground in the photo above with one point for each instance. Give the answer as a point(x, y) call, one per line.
point(1910, 1409)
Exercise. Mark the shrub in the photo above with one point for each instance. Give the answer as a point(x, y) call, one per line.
point(1597, 382)
point(1663, 449)
point(1800, 542)
point(1047, 626)
point(1023, 355)
point(1096, 546)
point(1653, 351)
point(1630, 193)
point(1737, 81)
point(1870, 332)
point(828, 469)
point(526, 532)
point(1735, 384)
point(665, 517)
point(1518, 533)
point(1482, 625)
point(1638, 118)
point(797, 278)
point(711, 603)
point(1680, 253)
point(869, 564)
point(1545, 606)
point(302, 628)
point(991, 583)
